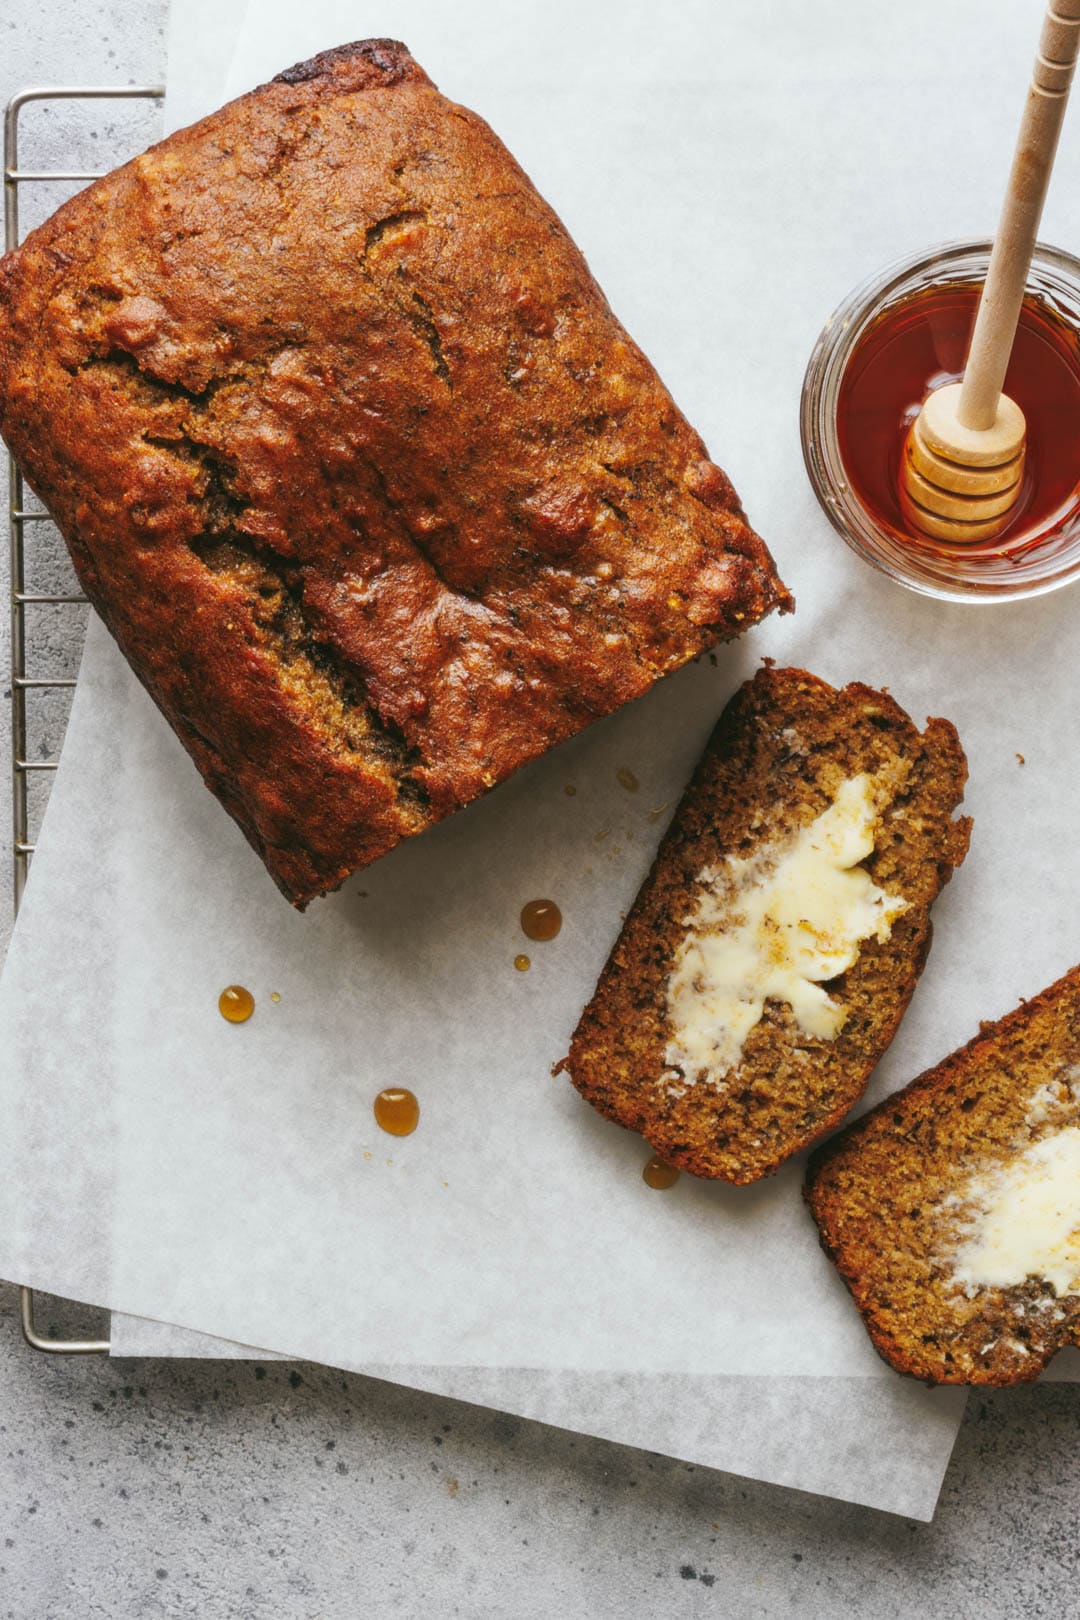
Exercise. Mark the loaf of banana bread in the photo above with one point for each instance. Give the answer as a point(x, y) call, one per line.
point(374, 492)
point(769, 957)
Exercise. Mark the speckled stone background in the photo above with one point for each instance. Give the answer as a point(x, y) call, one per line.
point(236, 1490)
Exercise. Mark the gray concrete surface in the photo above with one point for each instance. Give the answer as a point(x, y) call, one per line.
point(234, 1491)
point(237, 1490)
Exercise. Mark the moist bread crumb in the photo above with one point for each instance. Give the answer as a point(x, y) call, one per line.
point(778, 758)
point(910, 1199)
point(373, 491)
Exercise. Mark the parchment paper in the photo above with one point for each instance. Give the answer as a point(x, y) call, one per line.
point(881, 1442)
point(202, 38)
point(226, 1165)
point(708, 1419)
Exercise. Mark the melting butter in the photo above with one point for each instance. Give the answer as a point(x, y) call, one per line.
point(1026, 1220)
point(775, 926)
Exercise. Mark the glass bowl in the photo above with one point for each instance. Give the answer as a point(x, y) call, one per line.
point(1025, 563)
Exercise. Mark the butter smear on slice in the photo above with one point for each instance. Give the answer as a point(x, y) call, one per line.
point(1026, 1218)
point(776, 926)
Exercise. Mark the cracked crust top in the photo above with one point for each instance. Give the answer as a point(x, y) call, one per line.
point(372, 489)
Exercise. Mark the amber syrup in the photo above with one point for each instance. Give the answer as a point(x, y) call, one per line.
point(540, 919)
point(236, 1004)
point(397, 1111)
point(658, 1173)
point(920, 343)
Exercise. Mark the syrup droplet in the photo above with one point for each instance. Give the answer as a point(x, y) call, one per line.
point(275, 995)
point(569, 790)
point(658, 1173)
point(540, 919)
point(626, 778)
point(236, 1004)
point(397, 1111)
point(522, 963)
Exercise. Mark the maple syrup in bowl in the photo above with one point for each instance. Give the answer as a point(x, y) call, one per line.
point(891, 342)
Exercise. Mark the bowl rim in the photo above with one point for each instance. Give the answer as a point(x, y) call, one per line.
point(821, 457)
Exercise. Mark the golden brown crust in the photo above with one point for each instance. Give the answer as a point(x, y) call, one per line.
point(374, 492)
point(776, 759)
point(876, 1191)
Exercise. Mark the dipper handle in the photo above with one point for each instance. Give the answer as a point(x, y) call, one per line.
point(1003, 292)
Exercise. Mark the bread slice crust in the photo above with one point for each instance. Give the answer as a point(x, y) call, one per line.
point(882, 1191)
point(777, 757)
point(374, 492)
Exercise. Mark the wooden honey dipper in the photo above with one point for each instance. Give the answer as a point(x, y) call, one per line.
point(963, 457)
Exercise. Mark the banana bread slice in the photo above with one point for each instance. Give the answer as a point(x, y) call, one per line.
point(374, 492)
point(952, 1210)
point(775, 944)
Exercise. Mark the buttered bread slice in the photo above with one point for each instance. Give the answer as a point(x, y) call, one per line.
point(770, 955)
point(952, 1210)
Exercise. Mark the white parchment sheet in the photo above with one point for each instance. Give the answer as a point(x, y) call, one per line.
point(796, 1431)
point(728, 181)
point(882, 1443)
point(202, 37)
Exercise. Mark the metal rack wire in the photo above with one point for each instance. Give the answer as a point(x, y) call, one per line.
point(19, 518)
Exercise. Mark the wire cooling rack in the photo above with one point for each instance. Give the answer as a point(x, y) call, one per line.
point(20, 518)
